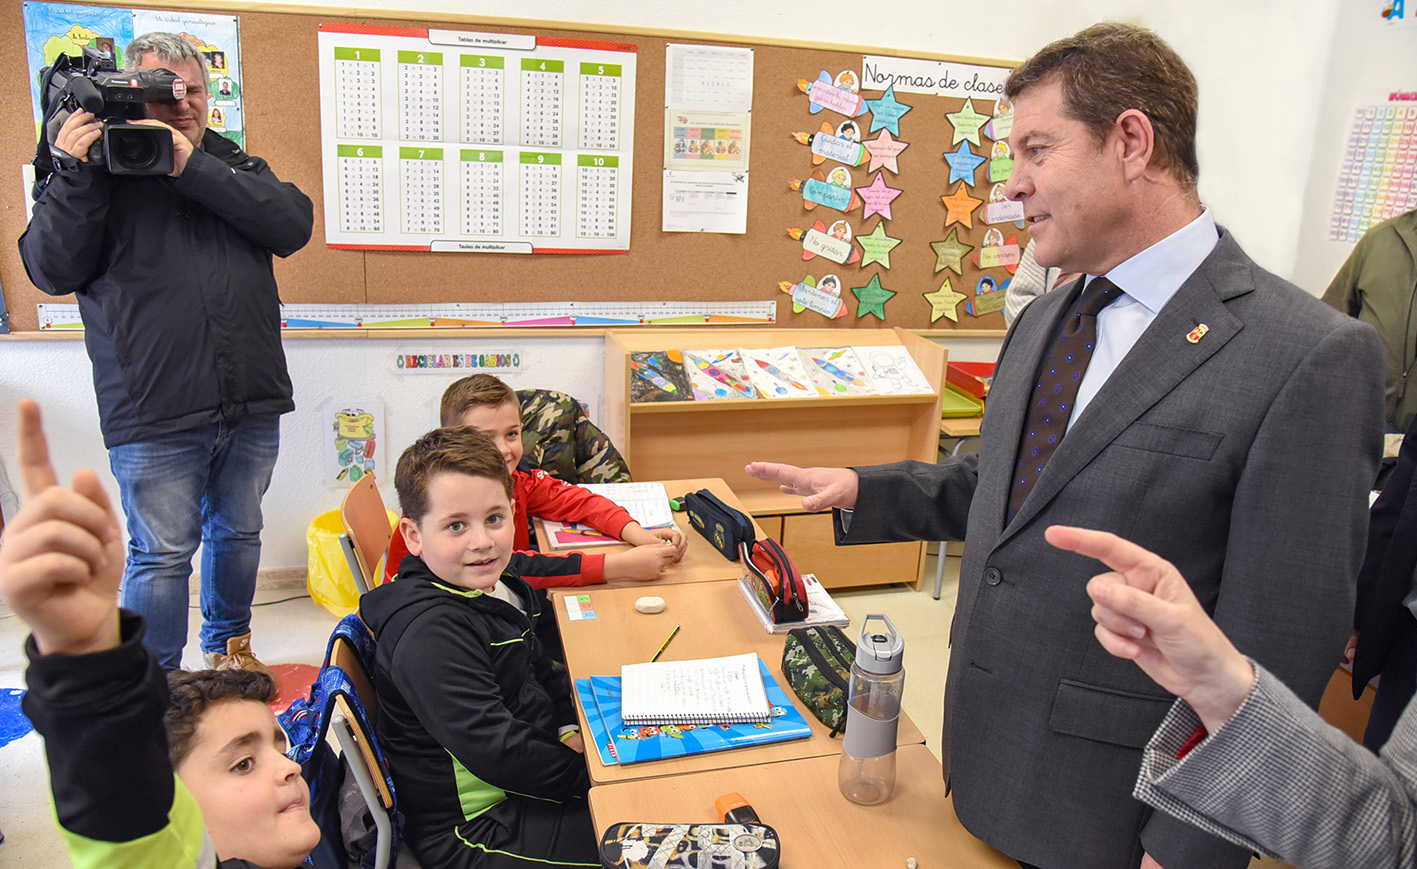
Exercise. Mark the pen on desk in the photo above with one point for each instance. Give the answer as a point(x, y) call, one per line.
point(664, 645)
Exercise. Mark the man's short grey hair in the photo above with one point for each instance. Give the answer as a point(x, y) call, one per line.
point(166, 46)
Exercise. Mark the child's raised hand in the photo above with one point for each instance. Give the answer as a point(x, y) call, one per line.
point(642, 563)
point(61, 558)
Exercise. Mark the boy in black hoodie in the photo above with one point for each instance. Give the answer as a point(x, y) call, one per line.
point(478, 725)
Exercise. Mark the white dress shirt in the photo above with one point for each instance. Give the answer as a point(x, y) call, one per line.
point(1147, 281)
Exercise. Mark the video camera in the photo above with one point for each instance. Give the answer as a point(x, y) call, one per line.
point(94, 84)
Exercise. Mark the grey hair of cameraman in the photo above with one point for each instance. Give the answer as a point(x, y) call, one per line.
point(166, 46)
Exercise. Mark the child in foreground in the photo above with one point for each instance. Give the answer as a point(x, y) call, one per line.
point(490, 406)
point(99, 699)
point(478, 724)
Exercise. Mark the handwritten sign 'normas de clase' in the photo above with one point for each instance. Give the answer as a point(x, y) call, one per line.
point(941, 78)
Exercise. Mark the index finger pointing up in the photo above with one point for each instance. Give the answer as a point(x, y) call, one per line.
point(32, 451)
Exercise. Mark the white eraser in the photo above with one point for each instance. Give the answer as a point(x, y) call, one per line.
point(650, 605)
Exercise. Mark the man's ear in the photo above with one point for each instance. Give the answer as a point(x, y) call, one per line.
point(409, 529)
point(1138, 141)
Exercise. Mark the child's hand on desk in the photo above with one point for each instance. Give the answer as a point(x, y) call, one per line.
point(641, 563)
point(61, 558)
point(639, 536)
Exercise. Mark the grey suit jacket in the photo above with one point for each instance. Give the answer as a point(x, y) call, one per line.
point(1244, 458)
point(1278, 779)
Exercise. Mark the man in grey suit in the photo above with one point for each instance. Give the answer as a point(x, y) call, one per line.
point(1213, 413)
point(1239, 754)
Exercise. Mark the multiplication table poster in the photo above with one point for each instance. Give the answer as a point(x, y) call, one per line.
point(448, 140)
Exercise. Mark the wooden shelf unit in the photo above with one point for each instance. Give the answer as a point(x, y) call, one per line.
point(668, 440)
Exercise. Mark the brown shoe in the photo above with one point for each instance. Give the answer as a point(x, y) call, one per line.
point(238, 656)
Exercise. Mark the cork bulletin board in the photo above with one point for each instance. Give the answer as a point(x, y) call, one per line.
point(281, 74)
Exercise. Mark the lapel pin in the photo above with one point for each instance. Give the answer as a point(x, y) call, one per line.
point(1196, 334)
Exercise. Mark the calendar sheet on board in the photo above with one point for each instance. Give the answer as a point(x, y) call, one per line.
point(478, 142)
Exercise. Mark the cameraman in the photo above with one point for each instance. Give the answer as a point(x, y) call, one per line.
point(182, 324)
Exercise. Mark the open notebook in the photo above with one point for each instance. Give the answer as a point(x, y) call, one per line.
point(702, 691)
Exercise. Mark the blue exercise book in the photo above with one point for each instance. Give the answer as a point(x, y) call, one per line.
point(619, 743)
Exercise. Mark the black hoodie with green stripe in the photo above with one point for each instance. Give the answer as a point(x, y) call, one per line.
point(470, 703)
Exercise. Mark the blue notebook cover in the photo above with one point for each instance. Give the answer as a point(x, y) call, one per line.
point(617, 743)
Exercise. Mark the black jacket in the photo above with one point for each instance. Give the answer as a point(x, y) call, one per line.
point(1386, 577)
point(174, 283)
point(469, 700)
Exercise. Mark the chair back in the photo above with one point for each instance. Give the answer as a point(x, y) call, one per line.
point(366, 521)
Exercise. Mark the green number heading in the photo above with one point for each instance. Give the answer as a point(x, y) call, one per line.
point(547, 159)
point(600, 69)
point(482, 156)
point(483, 61)
point(356, 53)
point(420, 153)
point(597, 160)
point(434, 58)
point(531, 64)
point(359, 150)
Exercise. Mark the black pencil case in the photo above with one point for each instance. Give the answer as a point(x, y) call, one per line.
point(727, 529)
point(689, 846)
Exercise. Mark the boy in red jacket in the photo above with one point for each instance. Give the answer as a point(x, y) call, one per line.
point(490, 406)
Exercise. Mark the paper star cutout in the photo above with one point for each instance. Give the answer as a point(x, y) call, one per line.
point(966, 123)
point(950, 253)
point(886, 112)
point(872, 298)
point(878, 197)
point(961, 206)
point(877, 245)
point(944, 302)
point(883, 150)
point(962, 164)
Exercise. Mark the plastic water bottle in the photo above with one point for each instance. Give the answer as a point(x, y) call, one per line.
point(866, 774)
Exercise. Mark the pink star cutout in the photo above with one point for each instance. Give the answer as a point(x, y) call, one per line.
point(883, 150)
point(878, 197)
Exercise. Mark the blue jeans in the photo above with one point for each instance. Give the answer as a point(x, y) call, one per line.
point(198, 486)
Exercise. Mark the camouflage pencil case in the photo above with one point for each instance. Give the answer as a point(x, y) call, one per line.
point(817, 663)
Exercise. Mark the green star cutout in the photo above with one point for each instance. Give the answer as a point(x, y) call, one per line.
point(950, 253)
point(944, 302)
point(872, 298)
point(966, 123)
point(877, 246)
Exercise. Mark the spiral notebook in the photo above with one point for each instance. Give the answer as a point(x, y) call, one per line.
point(702, 691)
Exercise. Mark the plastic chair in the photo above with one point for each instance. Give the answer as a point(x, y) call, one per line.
point(367, 532)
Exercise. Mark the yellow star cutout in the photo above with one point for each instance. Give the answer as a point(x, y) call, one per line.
point(961, 206)
point(944, 302)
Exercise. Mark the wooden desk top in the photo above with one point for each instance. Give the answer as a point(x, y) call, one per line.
point(713, 620)
point(701, 561)
point(961, 427)
point(819, 828)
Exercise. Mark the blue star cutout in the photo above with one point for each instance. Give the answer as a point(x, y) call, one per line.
point(963, 163)
point(886, 112)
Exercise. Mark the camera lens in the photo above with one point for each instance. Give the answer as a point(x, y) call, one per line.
point(134, 150)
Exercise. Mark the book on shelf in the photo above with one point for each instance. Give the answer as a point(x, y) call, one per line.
point(658, 375)
point(616, 742)
point(836, 371)
point(822, 610)
point(893, 371)
point(718, 374)
point(777, 372)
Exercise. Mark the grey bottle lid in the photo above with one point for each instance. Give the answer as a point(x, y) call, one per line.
point(880, 653)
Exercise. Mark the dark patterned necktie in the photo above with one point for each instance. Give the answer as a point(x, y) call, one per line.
point(1056, 391)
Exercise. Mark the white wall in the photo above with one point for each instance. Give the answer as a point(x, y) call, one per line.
point(1258, 64)
point(1370, 59)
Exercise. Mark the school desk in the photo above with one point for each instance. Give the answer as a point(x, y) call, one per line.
point(818, 827)
point(701, 562)
point(713, 620)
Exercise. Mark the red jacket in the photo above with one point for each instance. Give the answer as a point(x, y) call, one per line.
point(540, 494)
